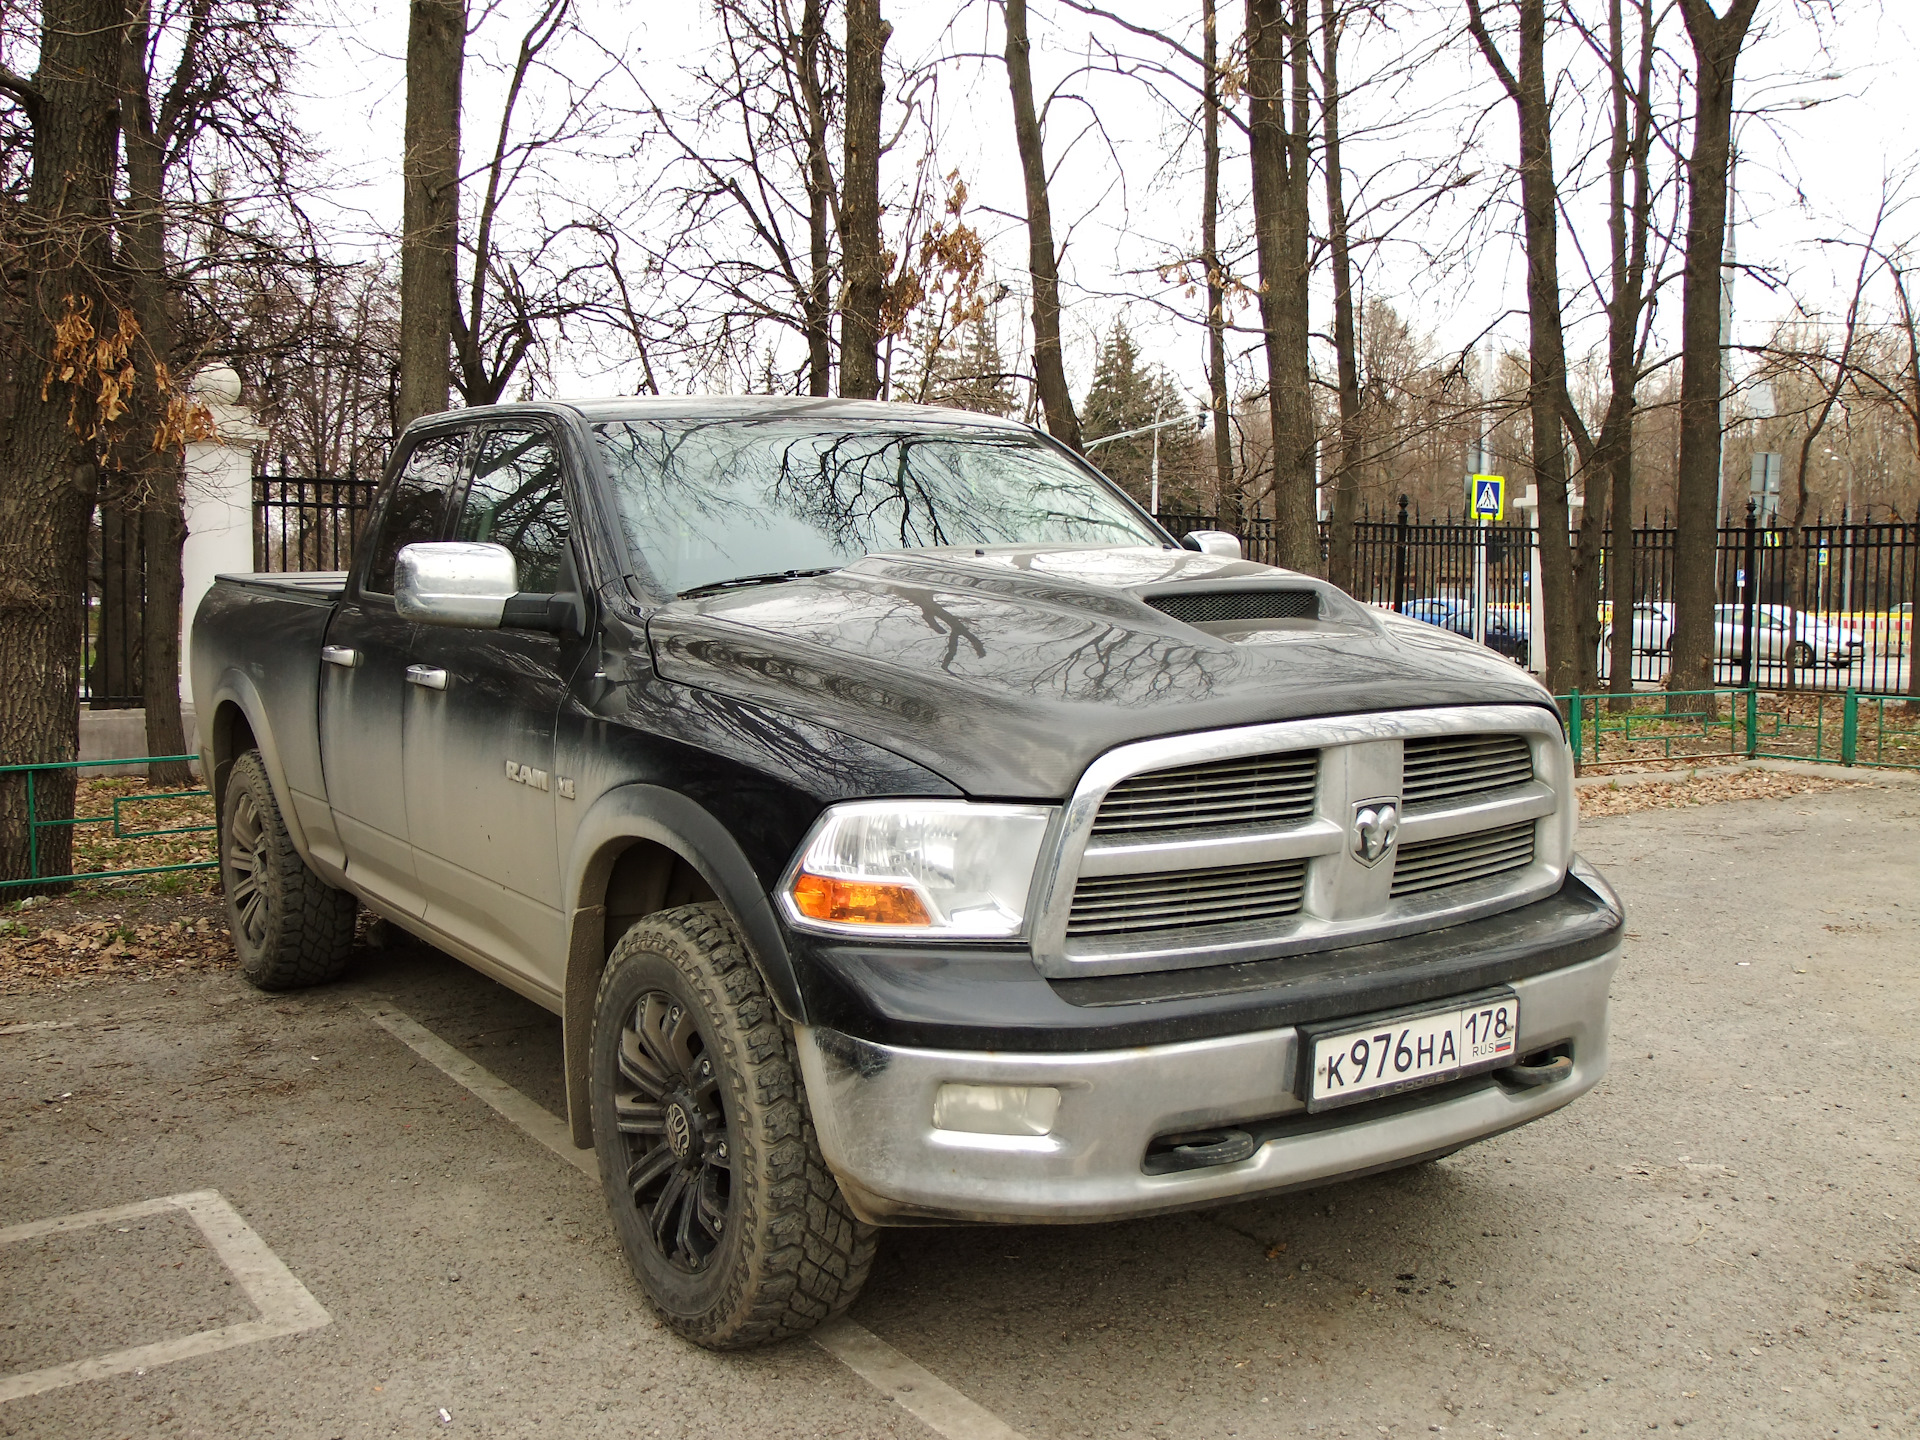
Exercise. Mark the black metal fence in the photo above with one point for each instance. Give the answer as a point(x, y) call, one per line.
point(1828, 606)
point(304, 522)
point(300, 522)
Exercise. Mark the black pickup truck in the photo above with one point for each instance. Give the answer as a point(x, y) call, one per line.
point(906, 828)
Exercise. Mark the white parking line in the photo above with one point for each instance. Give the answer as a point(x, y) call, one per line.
point(286, 1307)
point(515, 1108)
point(915, 1389)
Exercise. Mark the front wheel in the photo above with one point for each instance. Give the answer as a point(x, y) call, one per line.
point(1800, 655)
point(290, 928)
point(733, 1224)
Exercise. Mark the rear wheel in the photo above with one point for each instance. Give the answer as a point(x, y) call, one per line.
point(290, 928)
point(733, 1224)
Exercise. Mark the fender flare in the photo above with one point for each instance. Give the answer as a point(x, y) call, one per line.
point(683, 826)
point(237, 689)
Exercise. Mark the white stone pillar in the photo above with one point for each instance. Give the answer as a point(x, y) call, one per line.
point(219, 501)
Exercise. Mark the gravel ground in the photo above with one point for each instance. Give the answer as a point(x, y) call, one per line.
point(1721, 1238)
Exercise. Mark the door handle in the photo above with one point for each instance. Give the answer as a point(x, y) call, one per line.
point(428, 677)
point(342, 655)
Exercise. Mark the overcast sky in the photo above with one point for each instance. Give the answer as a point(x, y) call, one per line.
point(1807, 174)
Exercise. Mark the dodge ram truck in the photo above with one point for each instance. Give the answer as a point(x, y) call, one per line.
point(906, 829)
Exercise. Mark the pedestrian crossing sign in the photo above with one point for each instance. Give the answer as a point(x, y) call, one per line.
point(1487, 497)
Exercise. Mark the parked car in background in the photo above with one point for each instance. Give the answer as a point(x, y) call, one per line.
point(1779, 633)
point(1503, 636)
point(1781, 636)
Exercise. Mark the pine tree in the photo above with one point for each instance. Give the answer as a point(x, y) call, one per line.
point(1126, 395)
point(965, 370)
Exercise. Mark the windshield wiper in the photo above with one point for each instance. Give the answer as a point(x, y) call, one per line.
point(741, 581)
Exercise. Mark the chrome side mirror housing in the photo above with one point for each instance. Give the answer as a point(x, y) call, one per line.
point(454, 582)
point(1213, 542)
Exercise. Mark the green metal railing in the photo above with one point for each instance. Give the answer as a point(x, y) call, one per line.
point(1851, 728)
point(116, 818)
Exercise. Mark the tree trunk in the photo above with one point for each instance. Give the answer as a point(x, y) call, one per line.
point(1629, 227)
point(430, 220)
point(817, 305)
point(1716, 51)
point(158, 469)
point(1346, 477)
point(48, 473)
point(866, 263)
point(1277, 65)
point(1546, 342)
point(1049, 367)
point(1226, 489)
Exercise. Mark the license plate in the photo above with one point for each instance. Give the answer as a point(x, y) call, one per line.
point(1352, 1062)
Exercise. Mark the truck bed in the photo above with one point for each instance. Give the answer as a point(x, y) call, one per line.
point(324, 585)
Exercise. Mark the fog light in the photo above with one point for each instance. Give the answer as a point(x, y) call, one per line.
point(996, 1109)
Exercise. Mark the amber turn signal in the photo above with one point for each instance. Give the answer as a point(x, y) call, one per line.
point(857, 902)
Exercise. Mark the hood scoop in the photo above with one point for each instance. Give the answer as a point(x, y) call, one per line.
point(1214, 607)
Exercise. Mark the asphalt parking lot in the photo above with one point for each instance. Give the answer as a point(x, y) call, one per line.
point(1723, 1237)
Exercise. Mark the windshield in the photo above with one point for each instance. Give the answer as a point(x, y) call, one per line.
point(707, 501)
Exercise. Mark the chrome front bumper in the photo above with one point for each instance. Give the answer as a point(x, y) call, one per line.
point(873, 1110)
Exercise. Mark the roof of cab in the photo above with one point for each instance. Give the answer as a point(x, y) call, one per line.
point(753, 407)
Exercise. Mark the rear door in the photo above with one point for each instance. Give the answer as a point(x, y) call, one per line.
point(480, 788)
point(363, 684)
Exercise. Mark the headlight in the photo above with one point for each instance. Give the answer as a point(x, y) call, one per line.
point(945, 868)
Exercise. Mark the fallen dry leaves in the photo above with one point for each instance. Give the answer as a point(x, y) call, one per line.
point(1678, 794)
point(86, 937)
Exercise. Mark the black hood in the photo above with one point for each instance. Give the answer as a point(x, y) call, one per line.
point(1007, 670)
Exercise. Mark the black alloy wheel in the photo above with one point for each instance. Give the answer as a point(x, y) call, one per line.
point(730, 1219)
point(673, 1130)
point(290, 928)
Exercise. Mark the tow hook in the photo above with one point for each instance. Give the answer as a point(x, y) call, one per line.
point(1547, 1069)
point(1198, 1149)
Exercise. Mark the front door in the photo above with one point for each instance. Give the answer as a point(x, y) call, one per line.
point(480, 787)
point(364, 690)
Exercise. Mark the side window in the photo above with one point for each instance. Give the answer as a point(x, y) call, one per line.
point(417, 505)
point(516, 499)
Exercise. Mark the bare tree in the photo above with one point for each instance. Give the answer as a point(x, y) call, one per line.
point(68, 369)
point(430, 220)
point(811, 75)
point(1547, 355)
point(866, 261)
point(202, 86)
point(1609, 457)
point(1345, 477)
point(1717, 41)
point(1049, 367)
point(741, 231)
point(1219, 402)
point(1278, 64)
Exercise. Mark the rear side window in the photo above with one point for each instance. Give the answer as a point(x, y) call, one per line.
point(516, 499)
point(417, 506)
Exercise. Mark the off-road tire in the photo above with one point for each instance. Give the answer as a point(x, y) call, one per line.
point(790, 1254)
point(290, 928)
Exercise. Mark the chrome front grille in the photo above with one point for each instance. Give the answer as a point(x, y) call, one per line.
point(1179, 899)
point(1452, 769)
point(1241, 844)
point(1264, 791)
point(1461, 859)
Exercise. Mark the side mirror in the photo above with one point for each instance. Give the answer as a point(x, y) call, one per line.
point(1212, 542)
point(454, 582)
